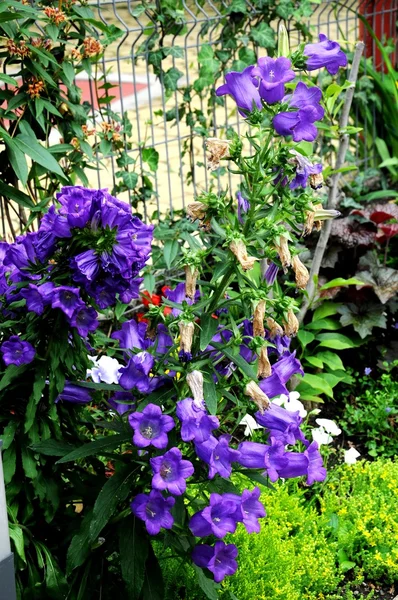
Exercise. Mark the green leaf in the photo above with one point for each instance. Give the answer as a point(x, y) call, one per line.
point(305, 148)
point(129, 179)
point(17, 160)
point(69, 71)
point(318, 383)
point(210, 394)
point(28, 463)
point(16, 534)
point(325, 310)
point(149, 282)
point(206, 584)
point(11, 373)
point(208, 328)
point(9, 464)
point(337, 341)
point(53, 447)
point(383, 194)
point(330, 359)
point(341, 282)
point(39, 154)
point(263, 35)
point(8, 434)
point(170, 79)
point(153, 588)
point(8, 79)
point(134, 546)
point(324, 324)
point(10, 16)
point(238, 361)
point(332, 378)
point(175, 51)
point(314, 361)
point(170, 252)
point(151, 157)
point(7, 191)
point(207, 60)
point(56, 586)
point(114, 492)
point(38, 387)
point(79, 547)
point(305, 337)
point(102, 445)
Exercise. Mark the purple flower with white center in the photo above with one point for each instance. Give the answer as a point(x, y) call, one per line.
point(271, 273)
point(84, 319)
point(74, 393)
point(17, 352)
point(243, 206)
point(248, 509)
point(218, 455)
point(170, 472)
point(122, 402)
point(219, 559)
point(304, 169)
point(136, 373)
point(217, 518)
point(282, 424)
point(273, 73)
point(151, 427)
point(154, 510)
point(132, 335)
point(242, 88)
point(76, 203)
point(196, 423)
point(325, 53)
point(308, 463)
point(67, 299)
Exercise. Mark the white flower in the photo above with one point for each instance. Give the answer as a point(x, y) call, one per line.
point(350, 456)
point(329, 426)
point(291, 403)
point(251, 425)
point(321, 436)
point(105, 369)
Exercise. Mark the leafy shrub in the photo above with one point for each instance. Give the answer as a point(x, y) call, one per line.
point(372, 415)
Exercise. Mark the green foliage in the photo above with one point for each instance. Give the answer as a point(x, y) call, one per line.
point(370, 415)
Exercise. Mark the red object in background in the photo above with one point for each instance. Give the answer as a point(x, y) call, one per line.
point(381, 16)
point(148, 299)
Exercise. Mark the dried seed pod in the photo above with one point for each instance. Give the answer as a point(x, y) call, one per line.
point(291, 325)
point(238, 248)
point(218, 149)
point(264, 366)
point(257, 395)
point(284, 253)
point(301, 273)
point(191, 274)
point(195, 382)
point(316, 181)
point(258, 319)
point(186, 336)
point(274, 328)
point(196, 210)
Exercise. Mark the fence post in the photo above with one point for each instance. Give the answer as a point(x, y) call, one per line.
point(7, 575)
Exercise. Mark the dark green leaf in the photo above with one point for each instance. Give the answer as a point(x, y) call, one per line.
point(170, 252)
point(153, 588)
point(134, 546)
point(305, 337)
point(11, 372)
point(17, 160)
point(8, 79)
point(16, 534)
point(210, 394)
point(263, 35)
point(7, 191)
point(39, 154)
point(151, 157)
point(208, 328)
point(206, 584)
point(53, 447)
point(79, 547)
point(238, 361)
point(170, 79)
point(10, 16)
point(38, 387)
point(55, 581)
point(130, 179)
point(102, 445)
point(28, 463)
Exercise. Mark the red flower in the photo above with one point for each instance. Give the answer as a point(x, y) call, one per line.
point(148, 299)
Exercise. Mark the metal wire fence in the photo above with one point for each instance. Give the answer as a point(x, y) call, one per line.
point(127, 64)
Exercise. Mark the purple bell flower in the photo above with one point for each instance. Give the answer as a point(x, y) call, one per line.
point(67, 299)
point(273, 73)
point(304, 97)
point(304, 169)
point(84, 319)
point(282, 371)
point(263, 456)
point(87, 263)
point(136, 373)
point(34, 300)
point(151, 427)
point(55, 224)
point(325, 53)
point(219, 559)
point(216, 519)
point(242, 88)
point(154, 510)
point(218, 455)
point(178, 296)
point(271, 273)
point(171, 471)
point(76, 203)
point(283, 424)
point(196, 423)
point(243, 206)
point(17, 352)
point(132, 335)
point(74, 393)
point(122, 402)
point(308, 463)
point(248, 509)
point(299, 124)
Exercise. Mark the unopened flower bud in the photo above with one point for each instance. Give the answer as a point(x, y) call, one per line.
point(283, 41)
point(257, 395)
point(274, 328)
point(238, 248)
point(284, 253)
point(258, 319)
point(186, 336)
point(218, 149)
point(195, 382)
point(291, 324)
point(264, 368)
point(191, 274)
point(301, 273)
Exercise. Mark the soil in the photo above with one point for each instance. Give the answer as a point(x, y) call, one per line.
point(380, 592)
